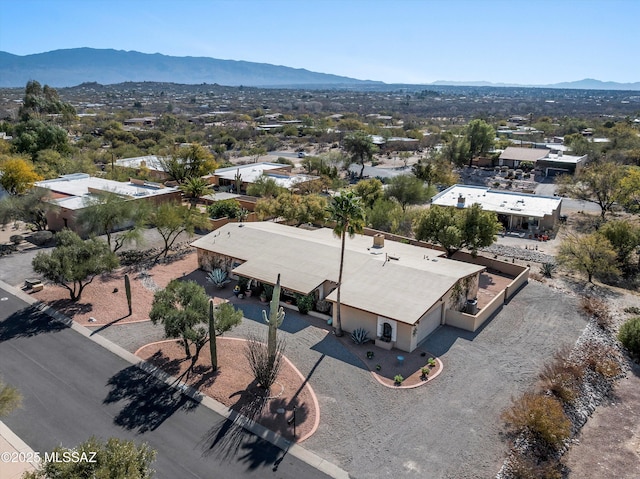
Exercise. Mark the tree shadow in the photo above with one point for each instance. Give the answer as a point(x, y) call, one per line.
point(252, 309)
point(149, 401)
point(332, 347)
point(109, 324)
point(70, 308)
point(230, 436)
point(28, 322)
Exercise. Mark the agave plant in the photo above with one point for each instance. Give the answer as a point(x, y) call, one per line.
point(547, 269)
point(360, 336)
point(218, 277)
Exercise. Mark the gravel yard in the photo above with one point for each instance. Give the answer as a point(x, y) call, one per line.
point(373, 431)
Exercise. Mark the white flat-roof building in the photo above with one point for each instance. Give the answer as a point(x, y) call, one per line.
point(251, 172)
point(515, 210)
point(71, 193)
point(152, 163)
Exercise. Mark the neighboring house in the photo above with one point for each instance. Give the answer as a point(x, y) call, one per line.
point(249, 173)
point(151, 163)
point(513, 156)
point(560, 163)
point(143, 121)
point(72, 193)
point(516, 211)
point(398, 292)
point(550, 160)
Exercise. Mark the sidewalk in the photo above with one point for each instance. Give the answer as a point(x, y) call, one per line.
point(14, 466)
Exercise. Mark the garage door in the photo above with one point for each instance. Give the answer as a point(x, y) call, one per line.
point(429, 322)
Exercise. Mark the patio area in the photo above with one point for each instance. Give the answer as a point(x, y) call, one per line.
point(491, 284)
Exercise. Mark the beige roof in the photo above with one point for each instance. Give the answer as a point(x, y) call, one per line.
point(296, 279)
point(398, 281)
point(394, 291)
point(523, 154)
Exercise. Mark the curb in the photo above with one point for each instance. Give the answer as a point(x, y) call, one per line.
point(257, 429)
point(19, 445)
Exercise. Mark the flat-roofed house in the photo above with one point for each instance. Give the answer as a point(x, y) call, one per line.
point(513, 156)
point(516, 211)
point(397, 292)
point(251, 172)
point(548, 161)
point(72, 193)
point(151, 163)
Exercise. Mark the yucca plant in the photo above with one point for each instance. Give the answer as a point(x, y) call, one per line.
point(547, 269)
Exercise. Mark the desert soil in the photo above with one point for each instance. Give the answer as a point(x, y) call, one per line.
point(609, 444)
point(234, 386)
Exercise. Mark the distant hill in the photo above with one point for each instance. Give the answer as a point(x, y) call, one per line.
point(591, 84)
point(586, 84)
point(62, 68)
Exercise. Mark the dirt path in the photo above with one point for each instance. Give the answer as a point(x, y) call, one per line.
point(609, 444)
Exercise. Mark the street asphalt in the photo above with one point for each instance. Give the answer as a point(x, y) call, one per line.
point(74, 389)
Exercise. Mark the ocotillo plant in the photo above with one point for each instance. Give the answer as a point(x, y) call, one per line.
point(276, 316)
point(127, 289)
point(213, 347)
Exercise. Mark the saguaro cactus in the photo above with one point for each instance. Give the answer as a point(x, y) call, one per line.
point(276, 316)
point(127, 289)
point(238, 181)
point(213, 347)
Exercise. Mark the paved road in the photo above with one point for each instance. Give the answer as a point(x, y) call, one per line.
point(74, 389)
point(376, 172)
point(548, 188)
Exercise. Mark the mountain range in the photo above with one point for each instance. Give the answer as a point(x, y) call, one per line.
point(70, 67)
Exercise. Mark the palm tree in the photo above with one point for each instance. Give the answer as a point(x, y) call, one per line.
point(348, 214)
point(195, 187)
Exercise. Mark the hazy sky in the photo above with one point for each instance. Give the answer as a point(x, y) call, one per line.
point(396, 41)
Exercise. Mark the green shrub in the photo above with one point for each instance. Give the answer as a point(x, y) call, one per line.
point(40, 238)
point(629, 335)
point(230, 208)
point(243, 283)
point(305, 303)
point(16, 239)
point(542, 417)
point(398, 379)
